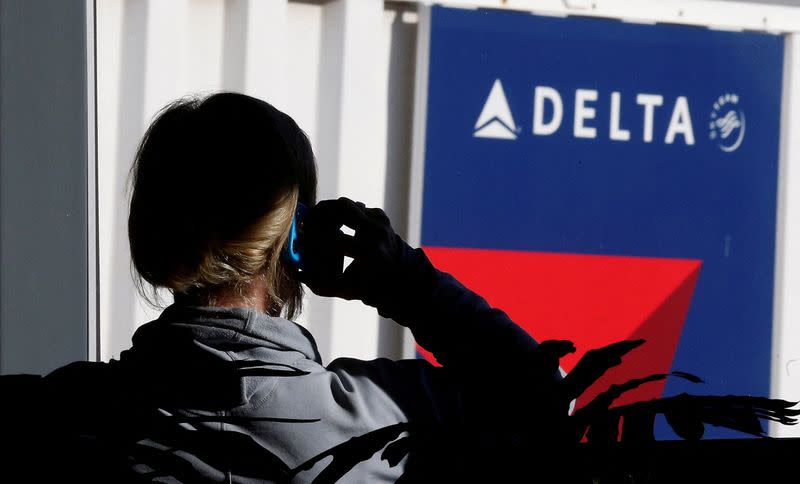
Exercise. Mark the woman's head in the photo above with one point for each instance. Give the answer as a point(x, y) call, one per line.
point(215, 184)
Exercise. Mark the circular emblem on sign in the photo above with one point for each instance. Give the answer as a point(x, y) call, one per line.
point(726, 124)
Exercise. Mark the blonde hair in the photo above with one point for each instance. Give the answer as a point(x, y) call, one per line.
point(236, 262)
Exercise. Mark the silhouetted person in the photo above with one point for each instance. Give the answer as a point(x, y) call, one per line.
point(223, 385)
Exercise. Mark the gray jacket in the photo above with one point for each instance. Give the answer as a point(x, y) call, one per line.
point(245, 382)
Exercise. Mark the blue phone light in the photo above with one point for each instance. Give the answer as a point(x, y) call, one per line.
point(292, 252)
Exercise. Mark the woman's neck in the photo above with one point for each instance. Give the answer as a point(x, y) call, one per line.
point(251, 295)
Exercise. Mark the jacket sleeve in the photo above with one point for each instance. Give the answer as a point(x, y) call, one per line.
point(451, 321)
point(482, 352)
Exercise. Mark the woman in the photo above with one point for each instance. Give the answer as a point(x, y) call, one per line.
point(240, 390)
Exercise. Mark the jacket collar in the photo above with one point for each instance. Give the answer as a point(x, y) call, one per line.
point(196, 357)
point(234, 328)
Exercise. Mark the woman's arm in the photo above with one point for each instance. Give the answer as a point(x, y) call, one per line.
point(455, 324)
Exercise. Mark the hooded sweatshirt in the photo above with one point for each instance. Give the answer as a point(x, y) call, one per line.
point(234, 395)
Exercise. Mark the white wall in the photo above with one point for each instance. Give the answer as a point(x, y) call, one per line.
point(786, 329)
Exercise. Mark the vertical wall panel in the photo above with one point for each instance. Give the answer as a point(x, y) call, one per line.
point(351, 155)
point(255, 49)
point(152, 72)
point(303, 46)
point(204, 51)
point(43, 185)
point(397, 79)
point(120, 81)
point(786, 329)
point(266, 52)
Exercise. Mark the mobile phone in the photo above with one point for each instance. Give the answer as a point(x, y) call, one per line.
point(291, 253)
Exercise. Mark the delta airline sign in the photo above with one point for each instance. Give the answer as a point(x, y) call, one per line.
point(726, 124)
point(601, 180)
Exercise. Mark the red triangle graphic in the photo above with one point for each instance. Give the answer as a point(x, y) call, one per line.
point(592, 300)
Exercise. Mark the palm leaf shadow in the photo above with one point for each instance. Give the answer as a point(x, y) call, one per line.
point(349, 453)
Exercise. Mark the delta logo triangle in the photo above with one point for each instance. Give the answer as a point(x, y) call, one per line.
point(495, 120)
point(592, 300)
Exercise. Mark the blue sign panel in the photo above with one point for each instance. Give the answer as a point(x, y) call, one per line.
point(601, 180)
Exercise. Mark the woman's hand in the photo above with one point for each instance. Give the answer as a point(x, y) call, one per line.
point(377, 251)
